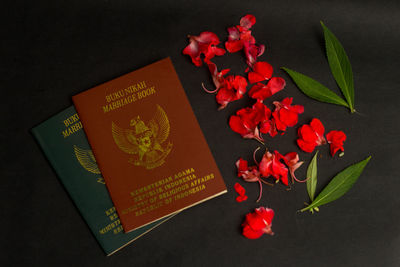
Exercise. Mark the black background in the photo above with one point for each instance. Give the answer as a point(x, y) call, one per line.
point(52, 50)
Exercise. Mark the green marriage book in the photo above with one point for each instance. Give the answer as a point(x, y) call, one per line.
point(65, 144)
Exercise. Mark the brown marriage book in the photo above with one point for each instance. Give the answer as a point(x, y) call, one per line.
point(148, 145)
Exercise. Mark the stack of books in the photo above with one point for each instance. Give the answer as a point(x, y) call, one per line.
point(131, 154)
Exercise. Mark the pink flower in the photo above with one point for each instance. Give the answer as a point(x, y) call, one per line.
point(258, 223)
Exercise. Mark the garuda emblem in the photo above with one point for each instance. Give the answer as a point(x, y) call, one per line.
point(145, 140)
point(88, 161)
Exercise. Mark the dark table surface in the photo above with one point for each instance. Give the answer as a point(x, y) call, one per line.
point(52, 50)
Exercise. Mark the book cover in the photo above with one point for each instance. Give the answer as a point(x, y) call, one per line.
point(148, 144)
point(64, 143)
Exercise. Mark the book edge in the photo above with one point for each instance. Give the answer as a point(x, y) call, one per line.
point(180, 210)
point(150, 229)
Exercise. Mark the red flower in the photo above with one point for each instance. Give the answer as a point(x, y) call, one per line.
point(233, 89)
point(261, 92)
point(311, 135)
point(241, 191)
point(246, 120)
point(240, 34)
point(229, 88)
point(261, 71)
point(240, 38)
point(258, 223)
point(336, 140)
point(270, 165)
point(204, 44)
point(286, 115)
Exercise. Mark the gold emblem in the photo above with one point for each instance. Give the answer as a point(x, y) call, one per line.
point(88, 161)
point(145, 140)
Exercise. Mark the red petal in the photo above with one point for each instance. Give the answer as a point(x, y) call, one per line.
point(218, 51)
point(265, 127)
point(193, 51)
point(252, 51)
point(207, 38)
point(257, 92)
point(317, 126)
point(255, 77)
point(241, 198)
point(237, 125)
point(280, 172)
point(291, 158)
point(273, 130)
point(287, 101)
point(239, 189)
point(266, 213)
point(212, 67)
point(280, 125)
point(275, 85)
point(247, 21)
point(255, 221)
point(250, 233)
point(241, 164)
point(240, 84)
point(234, 46)
point(265, 164)
point(262, 111)
point(224, 96)
point(211, 52)
point(336, 137)
point(218, 77)
point(246, 37)
point(234, 34)
point(336, 140)
point(264, 69)
point(306, 147)
point(307, 134)
point(288, 117)
point(297, 108)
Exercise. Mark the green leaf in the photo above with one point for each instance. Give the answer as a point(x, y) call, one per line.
point(312, 177)
point(339, 185)
point(314, 89)
point(340, 66)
